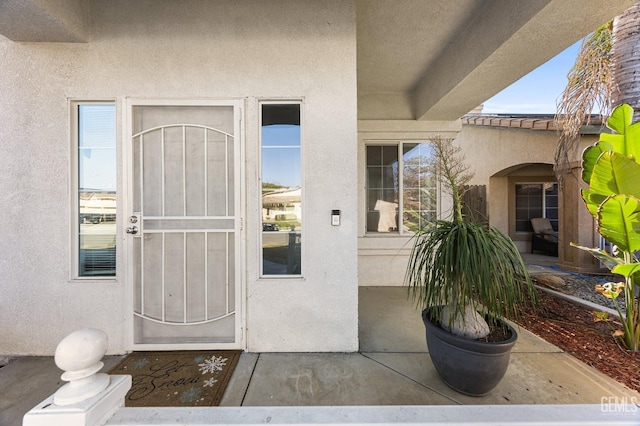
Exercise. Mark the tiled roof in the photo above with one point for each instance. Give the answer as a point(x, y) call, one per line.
point(531, 122)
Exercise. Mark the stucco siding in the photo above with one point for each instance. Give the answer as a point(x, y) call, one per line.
point(496, 153)
point(164, 49)
point(382, 258)
point(502, 157)
point(499, 157)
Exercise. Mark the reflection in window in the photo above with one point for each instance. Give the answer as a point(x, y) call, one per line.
point(382, 188)
point(281, 189)
point(536, 200)
point(419, 186)
point(400, 184)
point(96, 138)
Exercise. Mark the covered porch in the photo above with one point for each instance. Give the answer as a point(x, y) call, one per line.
point(391, 370)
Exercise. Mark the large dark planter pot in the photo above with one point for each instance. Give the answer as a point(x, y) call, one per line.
point(467, 366)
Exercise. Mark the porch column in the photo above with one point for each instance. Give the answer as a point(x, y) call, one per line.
point(576, 226)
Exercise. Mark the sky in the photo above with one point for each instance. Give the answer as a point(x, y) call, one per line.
point(97, 147)
point(281, 155)
point(538, 91)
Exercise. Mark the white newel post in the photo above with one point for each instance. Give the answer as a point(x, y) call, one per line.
point(89, 399)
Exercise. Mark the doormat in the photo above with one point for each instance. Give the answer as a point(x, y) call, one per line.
point(177, 378)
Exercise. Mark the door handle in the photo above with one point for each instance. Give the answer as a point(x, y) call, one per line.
point(132, 230)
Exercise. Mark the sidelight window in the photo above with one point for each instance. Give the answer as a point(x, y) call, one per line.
point(94, 135)
point(281, 178)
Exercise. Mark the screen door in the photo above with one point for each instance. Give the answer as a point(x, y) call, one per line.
point(184, 226)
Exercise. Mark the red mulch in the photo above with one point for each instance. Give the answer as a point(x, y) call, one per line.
point(571, 327)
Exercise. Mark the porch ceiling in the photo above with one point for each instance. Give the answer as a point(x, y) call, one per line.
point(417, 59)
point(439, 59)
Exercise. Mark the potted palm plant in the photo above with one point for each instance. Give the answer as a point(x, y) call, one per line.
point(467, 277)
point(611, 169)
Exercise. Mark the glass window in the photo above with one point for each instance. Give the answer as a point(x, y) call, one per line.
point(536, 200)
point(281, 189)
point(400, 184)
point(96, 189)
point(382, 188)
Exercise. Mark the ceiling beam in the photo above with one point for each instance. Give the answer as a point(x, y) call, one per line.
point(505, 41)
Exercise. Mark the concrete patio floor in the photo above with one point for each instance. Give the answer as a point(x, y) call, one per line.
point(392, 368)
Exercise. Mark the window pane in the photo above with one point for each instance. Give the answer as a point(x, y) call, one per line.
point(536, 200)
point(374, 156)
point(551, 204)
point(97, 189)
point(382, 188)
point(373, 195)
point(374, 177)
point(281, 189)
point(389, 155)
point(528, 205)
point(419, 186)
point(522, 214)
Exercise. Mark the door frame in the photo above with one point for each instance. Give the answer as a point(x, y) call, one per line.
point(239, 228)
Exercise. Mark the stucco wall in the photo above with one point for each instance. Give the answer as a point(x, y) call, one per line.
point(382, 258)
point(172, 49)
point(495, 152)
point(502, 157)
point(498, 157)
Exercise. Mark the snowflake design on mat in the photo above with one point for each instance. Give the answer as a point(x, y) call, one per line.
point(212, 365)
point(190, 395)
point(140, 363)
point(209, 383)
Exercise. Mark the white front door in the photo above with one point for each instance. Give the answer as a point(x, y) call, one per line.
point(184, 225)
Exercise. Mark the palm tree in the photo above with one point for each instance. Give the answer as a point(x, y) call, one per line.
point(603, 76)
point(625, 43)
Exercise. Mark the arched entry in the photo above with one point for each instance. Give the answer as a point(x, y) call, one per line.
point(520, 193)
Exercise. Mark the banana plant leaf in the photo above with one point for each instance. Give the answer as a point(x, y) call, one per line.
point(614, 173)
point(624, 141)
point(592, 200)
point(589, 157)
point(611, 170)
point(627, 270)
point(619, 221)
point(609, 261)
